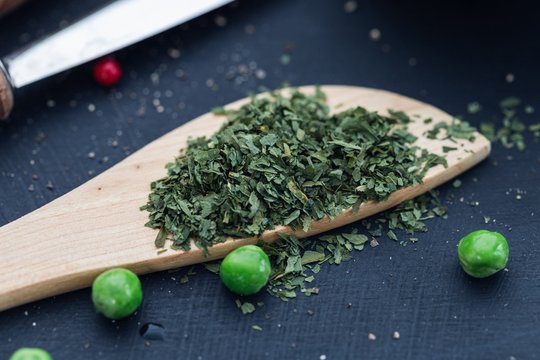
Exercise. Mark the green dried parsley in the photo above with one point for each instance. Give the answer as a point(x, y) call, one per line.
point(488, 130)
point(295, 263)
point(511, 133)
point(457, 129)
point(284, 160)
point(474, 107)
point(510, 102)
point(185, 278)
point(447, 149)
point(409, 216)
point(535, 129)
point(245, 307)
point(212, 267)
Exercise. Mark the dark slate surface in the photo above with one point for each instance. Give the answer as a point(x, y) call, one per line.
point(462, 51)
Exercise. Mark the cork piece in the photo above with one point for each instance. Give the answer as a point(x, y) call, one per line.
point(6, 96)
point(8, 5)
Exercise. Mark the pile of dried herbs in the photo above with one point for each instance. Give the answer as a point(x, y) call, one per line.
point(283, 161)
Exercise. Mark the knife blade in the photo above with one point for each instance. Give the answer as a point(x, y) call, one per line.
point(117, 25)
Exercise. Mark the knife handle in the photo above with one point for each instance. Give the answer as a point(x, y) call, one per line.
point(6, 94)
point(8, 5)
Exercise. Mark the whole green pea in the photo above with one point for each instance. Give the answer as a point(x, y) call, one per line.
point(30, 354)
point(117, 293)
point(245, 270)
point(483, 253)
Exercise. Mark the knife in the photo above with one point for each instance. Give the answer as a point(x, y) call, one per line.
point(113, 27)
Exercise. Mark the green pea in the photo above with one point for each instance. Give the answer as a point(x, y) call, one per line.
point(245, 270)
point(30, 354)
point(117, 293)
point(483, 253)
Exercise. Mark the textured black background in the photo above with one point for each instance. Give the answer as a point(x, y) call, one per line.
point(463, 52)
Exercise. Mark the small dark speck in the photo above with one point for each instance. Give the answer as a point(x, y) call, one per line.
point(100, 188)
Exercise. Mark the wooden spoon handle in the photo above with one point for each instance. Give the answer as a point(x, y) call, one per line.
point(8, 5)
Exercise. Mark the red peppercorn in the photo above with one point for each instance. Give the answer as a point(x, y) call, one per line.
point(107, 72)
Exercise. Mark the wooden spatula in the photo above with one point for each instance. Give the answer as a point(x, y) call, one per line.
point(65, 244)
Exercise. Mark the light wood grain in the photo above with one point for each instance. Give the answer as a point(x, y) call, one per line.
point(66, 243)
